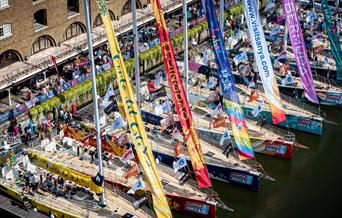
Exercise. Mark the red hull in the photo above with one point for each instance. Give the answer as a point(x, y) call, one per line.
point(278, 148)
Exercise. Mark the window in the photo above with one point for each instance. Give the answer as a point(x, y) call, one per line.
point(42, 43)
point(40, 20)
point(9, 57)
point(127, 7)
point(98, 19)
point(3, 4)
point(74, 30)
point(5, 30)
point(73, 8)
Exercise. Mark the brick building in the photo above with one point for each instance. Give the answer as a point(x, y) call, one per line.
point(30, 26)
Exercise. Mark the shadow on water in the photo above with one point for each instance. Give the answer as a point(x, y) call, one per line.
point(307, 186)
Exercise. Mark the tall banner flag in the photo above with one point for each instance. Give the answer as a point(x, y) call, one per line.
point(263, 61)
point(298, 46)
point(227, 83)
point(180, 101)
point(333, 38)
point(136, 126)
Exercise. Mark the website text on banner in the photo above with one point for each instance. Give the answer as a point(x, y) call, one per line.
point(263, 61)
point(137, 129)
point(227, 83)
point(298, 46)
point(179, 98)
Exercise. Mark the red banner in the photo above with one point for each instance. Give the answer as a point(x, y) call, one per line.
point(180, 101)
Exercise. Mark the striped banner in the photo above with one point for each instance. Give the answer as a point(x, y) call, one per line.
point(180, 101)
point(227, 83)
point(263, 61)
point(136, 126)
point(298, 46)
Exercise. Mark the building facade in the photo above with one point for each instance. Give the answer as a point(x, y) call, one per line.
point(30, 26)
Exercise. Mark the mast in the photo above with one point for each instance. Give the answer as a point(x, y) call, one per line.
point(136, 54)
point(222, 15)
point(94, 93)
point(186, 56)
point(285, 37)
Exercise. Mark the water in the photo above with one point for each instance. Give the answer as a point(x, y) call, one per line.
point(307, 186)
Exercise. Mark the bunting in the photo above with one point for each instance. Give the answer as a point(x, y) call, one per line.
point(298, 46)
point(333, 38)
point(227, 82)
point(180, 101)
point(136, 126)
point(263, 61)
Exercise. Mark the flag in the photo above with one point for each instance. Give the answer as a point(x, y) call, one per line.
point(129, 155)
point(240, 58)
point(166, 106)
point(257, 110)
point(109, 93)
point(179, 164)
point(254, 95)
point(282, 56)
point(151, 87)
point(217, 111)
point(219, 122)
point(138, 185)
point(275, 30)
point(269, 5)
point(176, 135)
point(224, 137)
point(212, 96)
point(132, 171)
point(53, 60)
point(178, 148)
point(159, 79)
point(117, 123)
point(251, 84)
point(287, 80)
point(167, 121)
point(211, 83)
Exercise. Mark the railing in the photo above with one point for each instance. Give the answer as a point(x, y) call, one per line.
point(299, 103)
point(45, 62)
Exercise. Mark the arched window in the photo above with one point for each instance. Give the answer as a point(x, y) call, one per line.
point(73, 7)
point(98, 20)
point(42, 43)
point(74, 30)
point(40, 18)
point(127, 7)
point(9, 57)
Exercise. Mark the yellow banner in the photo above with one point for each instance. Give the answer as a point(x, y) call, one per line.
point(64, 172)
point(137, 129)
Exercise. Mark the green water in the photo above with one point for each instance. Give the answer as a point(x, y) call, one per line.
point(308, 186)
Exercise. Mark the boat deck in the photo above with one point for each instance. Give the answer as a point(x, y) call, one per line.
point(116, 205)
point(115, 169)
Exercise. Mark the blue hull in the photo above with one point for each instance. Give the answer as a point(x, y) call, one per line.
point(304, 124)
point(220, 173)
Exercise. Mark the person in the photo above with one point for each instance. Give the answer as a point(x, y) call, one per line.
point(263, 121)
point(228, 149)
point(20, 130)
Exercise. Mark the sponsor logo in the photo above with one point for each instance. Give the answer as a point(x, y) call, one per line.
point(197, 207)
point(241, 178)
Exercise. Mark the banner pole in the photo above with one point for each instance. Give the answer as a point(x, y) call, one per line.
point(222, 15)
point(94, 93)
point(136, 54)
point(186, 56)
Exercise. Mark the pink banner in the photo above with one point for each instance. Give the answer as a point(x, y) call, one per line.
point(298, 46)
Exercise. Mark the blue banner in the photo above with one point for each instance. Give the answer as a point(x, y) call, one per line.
point(227, 83)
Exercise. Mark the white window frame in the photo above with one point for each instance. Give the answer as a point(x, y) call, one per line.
point(7, 30)
point(4, 4)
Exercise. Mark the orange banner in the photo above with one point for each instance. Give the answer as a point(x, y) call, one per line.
point(219, 122)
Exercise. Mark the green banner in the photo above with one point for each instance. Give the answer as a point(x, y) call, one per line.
point(333, 38)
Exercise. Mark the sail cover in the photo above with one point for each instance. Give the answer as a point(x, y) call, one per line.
point(298, 46)
point(180, 101)
point(263, 60)
point(137, 129)
point(227, 83)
